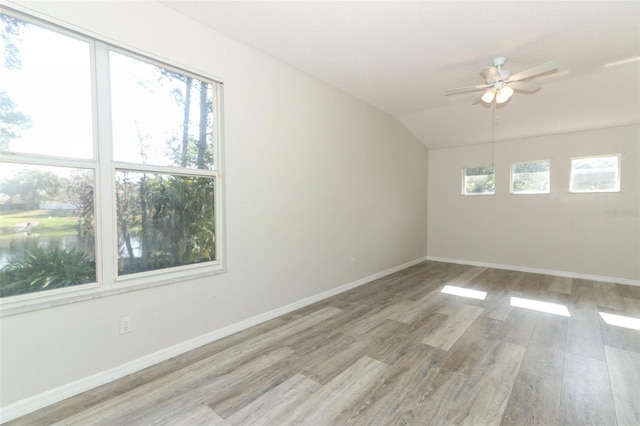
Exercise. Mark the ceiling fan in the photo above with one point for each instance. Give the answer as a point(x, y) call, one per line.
point(500, 84)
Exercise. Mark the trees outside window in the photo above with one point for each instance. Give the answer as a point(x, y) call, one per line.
point(531, 177)
point(478, 181)
point(595, 174)
point(163, 143)
point(154, 166)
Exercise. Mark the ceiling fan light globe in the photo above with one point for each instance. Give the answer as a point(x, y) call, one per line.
point(504, 94)
point(507, 91)
point(488, 96)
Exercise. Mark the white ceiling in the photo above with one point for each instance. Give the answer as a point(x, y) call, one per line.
point(401, 56)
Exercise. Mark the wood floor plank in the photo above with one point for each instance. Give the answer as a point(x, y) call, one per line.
point(466, 354)
point(519, 326)
point(450, 304)
point(393, 349)
point(275, 404)
point(480, 337)
point(628, 291)
point(546, 348)
point(584, 336)
point(437, 278)
point(453, 327)
point(198, 416)
point(287, 330)
point(582, 296)
point(497, 305)
point(534, 400)
point(500, 280)
point(586, 393)
point(415, 309)
point(606, 296)
point(560, 285)
point(430, 401)
point(487, 390)
point(324, 405)
point(370, 317)
point(466, 278)
point(228, 399)
point(534, 284)
point(381, 403)
point(325, 365)
point(624, 374)
point(631, 307)
point(318, 337)
point(486, 327)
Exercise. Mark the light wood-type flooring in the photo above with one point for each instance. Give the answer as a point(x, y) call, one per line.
point(400, 351)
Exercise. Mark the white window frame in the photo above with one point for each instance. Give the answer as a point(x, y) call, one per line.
point(464, 176)
point(511, 178)
point(618, 174)
point(104, 168)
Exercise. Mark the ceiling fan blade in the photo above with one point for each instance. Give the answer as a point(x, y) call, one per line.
point(468, 89)
point(540, 69)
point(490, 74)
point(524, 86)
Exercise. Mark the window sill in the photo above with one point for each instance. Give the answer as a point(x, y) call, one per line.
point(34, 301)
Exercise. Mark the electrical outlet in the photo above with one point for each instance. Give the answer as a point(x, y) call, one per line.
point(125, 325)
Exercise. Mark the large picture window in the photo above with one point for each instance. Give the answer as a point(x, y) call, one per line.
point(109, 164)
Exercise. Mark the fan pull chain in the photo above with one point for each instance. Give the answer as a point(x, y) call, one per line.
point(493, 133)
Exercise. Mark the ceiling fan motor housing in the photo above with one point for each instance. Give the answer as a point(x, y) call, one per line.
point(499, 61)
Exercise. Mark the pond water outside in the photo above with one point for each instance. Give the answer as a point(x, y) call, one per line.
point(20, 242)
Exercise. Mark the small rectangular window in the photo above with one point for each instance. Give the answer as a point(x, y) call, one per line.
point(531, 177)
point(478, 181)
point(595, 174)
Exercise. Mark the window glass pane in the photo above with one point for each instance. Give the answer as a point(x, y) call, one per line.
point(164, 221)
point(530, 178)
point(47, 237)
point(160, 117)
point(479, 180)
point(595, 174)
point(45, 91)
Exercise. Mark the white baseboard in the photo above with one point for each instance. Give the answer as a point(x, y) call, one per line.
point(626, 281)
point(60, 393)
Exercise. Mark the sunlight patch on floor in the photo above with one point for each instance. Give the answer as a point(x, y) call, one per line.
point(552, 308)
point(621, 321)
point(464, 292)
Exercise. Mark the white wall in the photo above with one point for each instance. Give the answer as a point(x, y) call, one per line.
point(313, 178)
point(560, 231)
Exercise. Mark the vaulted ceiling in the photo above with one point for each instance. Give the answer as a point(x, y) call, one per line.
point(402, 56)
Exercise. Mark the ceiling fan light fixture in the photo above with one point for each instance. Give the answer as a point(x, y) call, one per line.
point(488, 96)
point(497, 81)
point(504, 94)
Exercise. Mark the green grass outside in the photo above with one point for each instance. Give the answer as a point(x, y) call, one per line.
point(54, 223)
